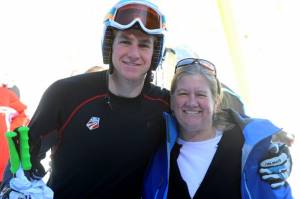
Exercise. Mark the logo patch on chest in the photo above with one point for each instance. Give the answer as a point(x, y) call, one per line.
point(93, 123)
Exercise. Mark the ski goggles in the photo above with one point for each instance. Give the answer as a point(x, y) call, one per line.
point(201, 62)
point(127, 14)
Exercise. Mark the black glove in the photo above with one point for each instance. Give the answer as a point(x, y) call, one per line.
point(276, 168)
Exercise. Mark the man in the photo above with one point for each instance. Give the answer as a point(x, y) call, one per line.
point(103, 127)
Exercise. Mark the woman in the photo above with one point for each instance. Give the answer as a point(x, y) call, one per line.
point(217, 152)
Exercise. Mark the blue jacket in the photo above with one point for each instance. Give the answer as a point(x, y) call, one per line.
point(257, 135)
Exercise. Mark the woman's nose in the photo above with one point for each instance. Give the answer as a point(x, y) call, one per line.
point(192, 100)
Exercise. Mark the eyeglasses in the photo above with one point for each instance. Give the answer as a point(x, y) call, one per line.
point(126, 15)
point(201, 62)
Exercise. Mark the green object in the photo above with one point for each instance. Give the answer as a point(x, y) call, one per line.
point(13, 152)
point(24, 148)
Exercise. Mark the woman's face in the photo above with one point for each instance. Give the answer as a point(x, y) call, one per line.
point(193, 104)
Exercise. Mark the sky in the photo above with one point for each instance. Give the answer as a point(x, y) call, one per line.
point(255, 47)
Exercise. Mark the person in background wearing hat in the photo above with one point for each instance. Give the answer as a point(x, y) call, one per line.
point(103, 127)
point(12, 115)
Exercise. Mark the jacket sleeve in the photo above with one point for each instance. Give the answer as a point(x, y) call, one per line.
point(252, 184)
point(257, 135)
point(156, 176)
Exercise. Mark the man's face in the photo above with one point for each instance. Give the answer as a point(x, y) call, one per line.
point(132, 54)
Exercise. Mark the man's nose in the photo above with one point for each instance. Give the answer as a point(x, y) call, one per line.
point(134, 52)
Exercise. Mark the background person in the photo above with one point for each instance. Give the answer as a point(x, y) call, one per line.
point(12, 115)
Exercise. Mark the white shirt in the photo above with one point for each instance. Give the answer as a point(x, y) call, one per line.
point(194, 159)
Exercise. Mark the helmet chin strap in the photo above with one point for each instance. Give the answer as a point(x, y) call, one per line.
point(111, 68)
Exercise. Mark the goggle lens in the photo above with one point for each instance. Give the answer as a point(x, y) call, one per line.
point(150, 18)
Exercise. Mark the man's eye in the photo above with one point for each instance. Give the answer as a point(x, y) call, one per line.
point(124, 42)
